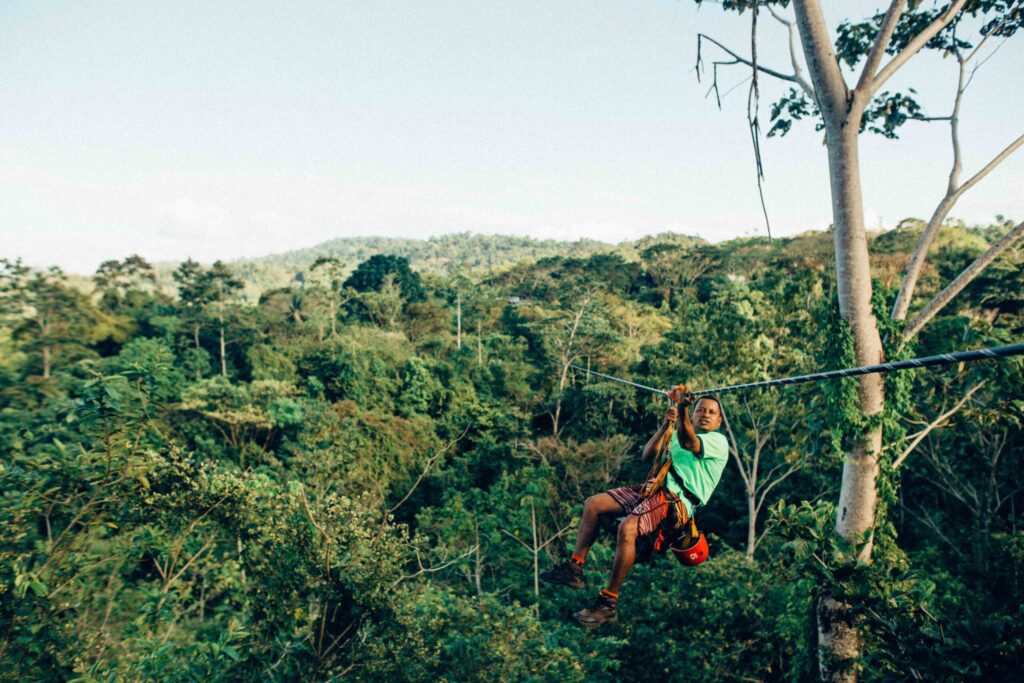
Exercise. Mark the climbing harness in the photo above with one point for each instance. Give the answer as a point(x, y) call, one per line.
point(925, 362)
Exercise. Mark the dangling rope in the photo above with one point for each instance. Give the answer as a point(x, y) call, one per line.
point(927, 361)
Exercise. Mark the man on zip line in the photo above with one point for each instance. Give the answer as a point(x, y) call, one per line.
point(690, 471)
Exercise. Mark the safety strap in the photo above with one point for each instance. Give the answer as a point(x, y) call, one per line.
point(687, 493)
point(659, 468)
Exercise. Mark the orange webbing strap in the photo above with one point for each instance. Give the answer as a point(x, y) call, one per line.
point(659, 469)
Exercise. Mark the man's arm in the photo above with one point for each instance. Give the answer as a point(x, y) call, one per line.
point(657, 442)
point(685, 433)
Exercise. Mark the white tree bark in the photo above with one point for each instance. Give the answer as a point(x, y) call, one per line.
point(838, 639)
point(842, 112)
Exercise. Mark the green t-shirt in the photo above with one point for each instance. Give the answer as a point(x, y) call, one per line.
point(701, 473)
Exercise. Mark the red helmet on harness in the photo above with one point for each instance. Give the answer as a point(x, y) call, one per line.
point(693, 555)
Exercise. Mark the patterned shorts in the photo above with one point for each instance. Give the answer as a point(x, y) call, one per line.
point(651, 512)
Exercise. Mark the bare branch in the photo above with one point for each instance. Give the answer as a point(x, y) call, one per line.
point(764, 493)
point(206, 546)
point(169, 582)
point(742, 60)
point(998, 159)
point(760, 537)
point(517, 539)
point(430, 570)
point(309, 515)
point(734, 449)
point(993, 31)
point(962, 280)
point(555, 537)
point(798, 72)
point(925, 517)
point(426, 468)
point(954, 191)
point(915, 44)
point(892, 17)
point(951, 483)
point(543, 545)
point(936, 423)
point(83, 570)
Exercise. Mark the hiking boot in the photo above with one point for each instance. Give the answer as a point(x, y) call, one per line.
point(569, 573)
point(602, 611)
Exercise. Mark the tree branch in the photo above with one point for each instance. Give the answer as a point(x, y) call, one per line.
point(925, 517)
point(936, 423)
point(915, 44)
point(998, 159)
point(798, 73)
point(426, 468)
point(962, 280)
point(764, 493)
point(741, 60)
point(954, 191)
point(993, 31)
point(734, 449)
point(429, 570)
point(892, 17)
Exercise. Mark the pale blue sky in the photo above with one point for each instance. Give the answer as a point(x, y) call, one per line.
point(230, 129)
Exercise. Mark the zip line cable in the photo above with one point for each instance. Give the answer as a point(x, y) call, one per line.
point(927, 361)
point(622, 381)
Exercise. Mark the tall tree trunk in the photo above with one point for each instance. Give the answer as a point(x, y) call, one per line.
point(838, 638)
point(858, 497)
point(751, 524)
point(567, 359)
point(47, 361)
point(841, 108)
point(223, 360)
point(195, 337)
point(478, 565)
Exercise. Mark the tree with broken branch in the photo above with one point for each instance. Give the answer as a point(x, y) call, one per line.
point(843, 93)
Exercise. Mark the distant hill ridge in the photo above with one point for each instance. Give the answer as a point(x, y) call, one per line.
point(437, 253)
point(478, 252)
point(440, 254)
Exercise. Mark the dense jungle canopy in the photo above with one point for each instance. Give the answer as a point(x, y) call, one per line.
point(350, 462)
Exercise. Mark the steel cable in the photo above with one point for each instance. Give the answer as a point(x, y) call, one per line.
point(910, 364)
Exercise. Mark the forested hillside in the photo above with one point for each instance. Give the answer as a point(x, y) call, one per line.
point(442, 254)
point(358, 473)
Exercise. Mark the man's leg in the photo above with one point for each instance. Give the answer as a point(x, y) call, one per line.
point(593, 508)
point(604, 608)
point(625, 553)
point(570, 572)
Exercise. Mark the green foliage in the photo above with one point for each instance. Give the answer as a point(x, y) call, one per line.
point(354, 489)
point(371, 275)
point(439, 635)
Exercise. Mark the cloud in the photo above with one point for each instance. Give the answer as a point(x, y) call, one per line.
point(188, 219)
